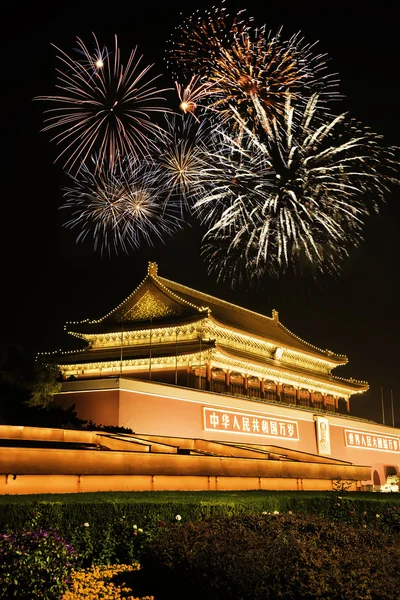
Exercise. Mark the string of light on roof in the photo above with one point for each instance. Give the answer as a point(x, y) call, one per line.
point(275, 316)
point(152, 273)
point(252, 370)
point(152, 268)
point(60, 351)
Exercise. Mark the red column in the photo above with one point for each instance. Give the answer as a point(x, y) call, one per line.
point(245, 385)
point(227, 381)
point(208, 377)
point(278, 391)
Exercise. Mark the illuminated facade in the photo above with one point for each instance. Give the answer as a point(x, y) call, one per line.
point(169, 333)
point(217, 397)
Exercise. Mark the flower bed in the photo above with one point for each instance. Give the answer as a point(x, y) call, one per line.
point(96, 584)
point(351, 550)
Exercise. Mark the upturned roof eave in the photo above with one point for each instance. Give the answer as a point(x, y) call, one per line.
point(104, 328)
point(333, 361)
point(255, 324)
point(88, 356)
point(297, 344)
point(113, 315)
point(346, 384)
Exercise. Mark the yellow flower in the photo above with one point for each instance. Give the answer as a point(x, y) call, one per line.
point(95, 584)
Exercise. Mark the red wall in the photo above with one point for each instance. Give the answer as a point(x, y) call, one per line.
point(101, 407)
point(157, 409)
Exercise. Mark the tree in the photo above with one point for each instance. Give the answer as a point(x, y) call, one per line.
point(27, 389)
point(44, 385)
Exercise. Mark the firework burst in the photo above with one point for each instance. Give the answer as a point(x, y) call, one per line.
point(191, 94)
point(104, 107)
point(180, 160)
point(200, 38)
point(120, 208)
point(258, 73)
point(298, 196)
point(248, 70)
point(235, 264)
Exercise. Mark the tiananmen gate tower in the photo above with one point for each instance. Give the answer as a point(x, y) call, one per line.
point(216, 396)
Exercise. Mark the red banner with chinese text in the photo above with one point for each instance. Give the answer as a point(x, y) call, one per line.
point(255, 424)
point(374, 441)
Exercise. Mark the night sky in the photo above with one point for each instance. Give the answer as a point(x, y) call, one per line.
point(48, 279)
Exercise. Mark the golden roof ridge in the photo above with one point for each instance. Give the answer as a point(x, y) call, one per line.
point(326, 377)
point(152, 276)
point(329, 359)
point(313, 378)
point(274, 318)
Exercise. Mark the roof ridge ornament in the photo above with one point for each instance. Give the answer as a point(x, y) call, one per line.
point(275, 315)
point(152, 269)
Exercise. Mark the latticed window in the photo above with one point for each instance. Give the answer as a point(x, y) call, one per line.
point(218, 381)
point(330, 403)
point(253, 385)
point(270, 390)
point(304, 397)
point(318, 400)
point(218, 385)
point(199, 381)
point(237, 384)
point(289, 394)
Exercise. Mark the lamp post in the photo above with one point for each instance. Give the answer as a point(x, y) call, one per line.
point(151, 331)
point(122, 343)
point(176, 355)
point(200, 332)
point(391, 401)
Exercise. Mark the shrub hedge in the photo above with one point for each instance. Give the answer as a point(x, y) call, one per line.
point(277, 544)
point(66, 512)
point(113, 528)
point(273, 556)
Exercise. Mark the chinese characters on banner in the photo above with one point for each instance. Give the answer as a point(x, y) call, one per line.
point(365, 439)
point(256, 424)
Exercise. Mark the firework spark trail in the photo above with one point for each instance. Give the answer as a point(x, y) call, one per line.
point(192, 93)
point(278, 181)
point(180, 160)
point(105, 108)
point(297, 195)
point(120, 208)
point(200, 38)
point(248, 68)
point(259, 72)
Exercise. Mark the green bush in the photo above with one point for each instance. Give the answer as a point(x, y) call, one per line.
point(66, 512)
point(119, 542)
point(34, 564)
point(273, 556)
point(390, 518)
point(111, 536)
